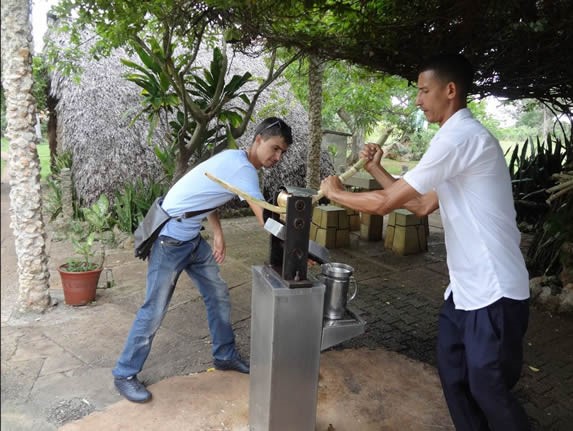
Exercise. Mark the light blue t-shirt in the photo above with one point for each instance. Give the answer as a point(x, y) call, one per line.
point(195, 191)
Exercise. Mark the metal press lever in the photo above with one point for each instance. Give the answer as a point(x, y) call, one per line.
point(316, 252)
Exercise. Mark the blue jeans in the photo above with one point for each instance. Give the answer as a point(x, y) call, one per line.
point(168, 258)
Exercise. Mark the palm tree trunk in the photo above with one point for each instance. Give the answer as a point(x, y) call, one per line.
point(315, 73)
point(25, 193)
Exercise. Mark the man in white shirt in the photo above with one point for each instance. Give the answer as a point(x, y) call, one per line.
point(485, 314)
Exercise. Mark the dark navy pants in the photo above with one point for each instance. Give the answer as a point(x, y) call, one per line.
point(480, 354)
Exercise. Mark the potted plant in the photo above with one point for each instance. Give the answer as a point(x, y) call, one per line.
point(80, 274)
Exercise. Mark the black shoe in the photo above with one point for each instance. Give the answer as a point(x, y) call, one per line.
point(236, 364)
point(132, 389)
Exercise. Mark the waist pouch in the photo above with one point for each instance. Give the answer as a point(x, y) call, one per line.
point(149, 228)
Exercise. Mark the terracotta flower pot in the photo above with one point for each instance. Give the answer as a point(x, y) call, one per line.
point(79, 287)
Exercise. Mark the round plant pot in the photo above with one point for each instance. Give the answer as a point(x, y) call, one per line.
point(79, 287)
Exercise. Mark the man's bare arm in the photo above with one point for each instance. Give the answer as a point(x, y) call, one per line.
point(258, 211)
point(419, 205)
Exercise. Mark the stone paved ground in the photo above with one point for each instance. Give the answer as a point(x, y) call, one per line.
point(401, 298)
point(398, 296)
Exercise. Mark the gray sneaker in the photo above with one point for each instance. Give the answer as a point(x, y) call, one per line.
point(132, 389)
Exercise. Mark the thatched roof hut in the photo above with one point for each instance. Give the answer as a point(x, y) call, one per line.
point(94, 115)
point(93, 123)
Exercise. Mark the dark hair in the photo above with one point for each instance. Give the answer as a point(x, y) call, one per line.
point(451, 68)
point(273, 126)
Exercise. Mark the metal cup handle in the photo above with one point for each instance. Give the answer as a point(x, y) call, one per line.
point(353, 280)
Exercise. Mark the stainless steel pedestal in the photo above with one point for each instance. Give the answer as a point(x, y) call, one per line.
point(286, 333)
point(336, 331)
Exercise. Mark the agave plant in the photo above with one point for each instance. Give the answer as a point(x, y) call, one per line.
point(535, 174)
point(532, 166)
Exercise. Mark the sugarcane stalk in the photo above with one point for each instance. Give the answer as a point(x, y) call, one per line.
point(277, 209)
point(560, 193)
point(565, 185)
point(343, 177)
point(259, 202)
point(560, 186)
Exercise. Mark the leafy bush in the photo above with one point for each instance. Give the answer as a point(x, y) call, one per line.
point(533, 173)
point(133, 202)
point(53, 198)
point(99, 217)
point(83, 246)
point(532, 168)
point(97, 220)
point(62, 160)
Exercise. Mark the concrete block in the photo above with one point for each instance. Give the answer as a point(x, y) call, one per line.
point(405, 240)
point(389, 238)
point(371, 226)
point(343, 220)
point(326, 237)
point(342, 238)
point(373, 220)
point(326, 216)
point(423, 236)
point(354, 222)
point(404, 217)
point(392, 219)
point(406, 233)
point(313, 230)
point(316, 215)
point(371, 232)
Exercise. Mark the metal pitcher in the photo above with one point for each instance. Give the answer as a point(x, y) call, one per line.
point(337, 278)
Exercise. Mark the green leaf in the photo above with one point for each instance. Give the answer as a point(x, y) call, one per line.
point(231, 143)
point(147, 59)
point(236, 83)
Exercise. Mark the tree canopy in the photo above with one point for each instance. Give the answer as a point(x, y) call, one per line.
point(521, 49)
point(166, 37)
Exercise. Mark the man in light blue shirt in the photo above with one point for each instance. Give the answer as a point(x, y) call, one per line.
point(180, 247)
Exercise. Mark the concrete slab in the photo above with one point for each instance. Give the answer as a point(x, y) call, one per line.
point(358, 390)
point(56, 366)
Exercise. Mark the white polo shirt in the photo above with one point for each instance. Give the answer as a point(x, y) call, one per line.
point(195, 191)
point(465, 165)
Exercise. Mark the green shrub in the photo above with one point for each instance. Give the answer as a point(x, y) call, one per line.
point(532, 166)
point(534, 170)
point(133, 202)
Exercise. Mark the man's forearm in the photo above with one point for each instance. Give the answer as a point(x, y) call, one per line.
point(215, 222)
point(420, 205)
point(382, 202)
point(382, 176)
point(367, 202)
point(423, 205)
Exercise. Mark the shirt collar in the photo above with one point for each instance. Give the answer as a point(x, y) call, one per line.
point(462, 114)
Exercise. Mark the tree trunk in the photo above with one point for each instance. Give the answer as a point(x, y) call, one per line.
point(52, 130)
point(315, 72)
point(25, 192)
point(357, 141)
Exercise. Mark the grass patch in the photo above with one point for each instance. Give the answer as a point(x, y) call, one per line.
point(395, 166)
point(43, 153)
point(509, 146)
